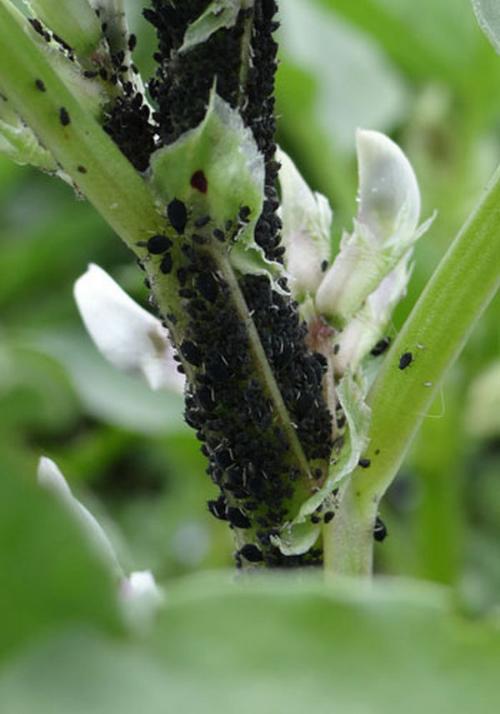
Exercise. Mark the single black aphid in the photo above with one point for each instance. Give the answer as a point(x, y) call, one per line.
point(251, 553)
point(380, 530)
point(64, 117)
point(191, 353)
point(218, 508)
point(329, 516)
point(202, 222)
point(364, 463)
point(40, 85)
point(405, 360)
point(132, 42)
point(207, 286)
point(177, 215)
point(166, 264)
point(381, 346)
point(237, 518)
point(159, 244)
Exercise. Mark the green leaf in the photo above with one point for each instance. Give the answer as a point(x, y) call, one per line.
point(108, 394)
point(50, 576)
point(219, 14)
point(274, 645)
point(223, 151)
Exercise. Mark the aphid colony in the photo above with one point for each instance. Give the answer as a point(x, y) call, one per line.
point(127, 116)
point(250, 455)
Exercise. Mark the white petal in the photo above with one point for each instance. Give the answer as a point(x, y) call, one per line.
point(389, 197)
point(140, 599)
point(307, 220)
point(140, 584)
point(128, 336)
point(367, 327)
point(385, 229)
point(51, 478)
point(488, 17)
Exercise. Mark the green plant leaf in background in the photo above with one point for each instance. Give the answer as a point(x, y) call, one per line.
point(398, 647)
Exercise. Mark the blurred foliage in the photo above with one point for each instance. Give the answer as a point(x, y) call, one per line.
point(422, 72)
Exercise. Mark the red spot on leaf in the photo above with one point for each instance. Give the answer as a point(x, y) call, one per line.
point(199, 182)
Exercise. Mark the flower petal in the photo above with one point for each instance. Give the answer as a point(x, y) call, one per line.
point(128, 336)
point(488, 17)
point(50, 477)
point(385, 229)
point(389, 197)
point(307, 219)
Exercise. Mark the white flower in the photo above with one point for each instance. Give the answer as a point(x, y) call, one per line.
point(385, 230)
point(128, 336)
point(139, 594)
point(367, 327)
point(488, 17)
point(307, 220)
point(51, 478)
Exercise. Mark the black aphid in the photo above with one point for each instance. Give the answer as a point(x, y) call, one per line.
point(251, 553)
point(380, 530)
point(207, 285)
point(159, 244)
point(40, 85)
point(177, 215)
point(218, 508)
point(64, 117)
point(202, 222)
point(329, 515)
point(191, 353)
point(237, 518)
point(166, 264)
point(132, 42)
point(405, 360)
point(364, 463)
point(381, 346)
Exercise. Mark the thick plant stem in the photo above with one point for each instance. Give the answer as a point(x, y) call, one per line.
point(436, 331)
point(80, 146)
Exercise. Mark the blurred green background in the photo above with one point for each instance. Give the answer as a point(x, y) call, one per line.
point(423, 73)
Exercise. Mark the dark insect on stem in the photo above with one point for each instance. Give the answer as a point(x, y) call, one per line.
point(64, 117)
point(381, 346)
point(405, 360)
point(177, 215)
point(380, 530)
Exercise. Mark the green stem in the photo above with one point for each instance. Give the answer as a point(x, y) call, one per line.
point(110, 182)
point(436, 331)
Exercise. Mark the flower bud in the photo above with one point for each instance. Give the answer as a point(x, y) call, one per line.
point(128, 336)
point(307, 220)
point(384, 230)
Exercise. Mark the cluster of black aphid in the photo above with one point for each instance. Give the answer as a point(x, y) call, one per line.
point(184, 80)
point(248, 449)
